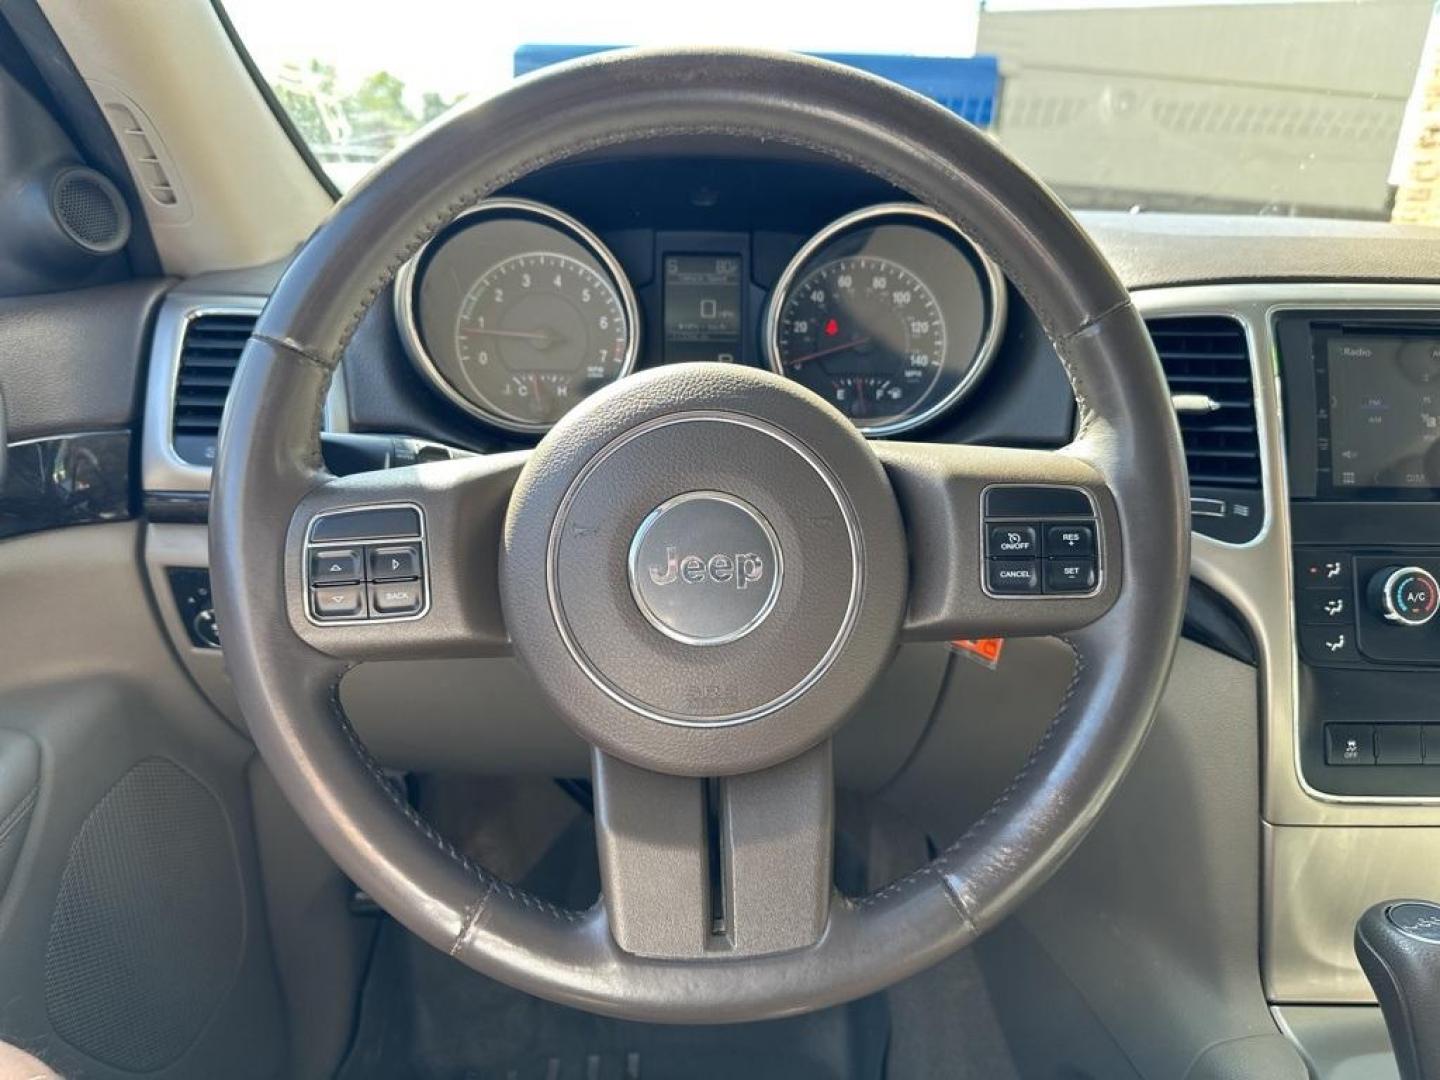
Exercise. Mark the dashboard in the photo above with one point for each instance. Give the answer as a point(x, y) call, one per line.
point(1324, 371)
point(585, 274)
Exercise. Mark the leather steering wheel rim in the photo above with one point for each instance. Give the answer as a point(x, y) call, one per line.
point(1127, 454)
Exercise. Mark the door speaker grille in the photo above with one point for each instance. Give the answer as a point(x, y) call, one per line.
point(147, 931)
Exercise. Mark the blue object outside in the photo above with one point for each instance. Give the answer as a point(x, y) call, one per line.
point(967, 86)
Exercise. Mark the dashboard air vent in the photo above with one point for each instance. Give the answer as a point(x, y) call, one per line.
point(1207, 364)
point(209, 353)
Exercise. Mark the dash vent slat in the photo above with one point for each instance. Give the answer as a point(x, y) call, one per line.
point(1210, 356)
point(209, 355)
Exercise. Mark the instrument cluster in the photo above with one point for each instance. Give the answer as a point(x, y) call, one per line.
point(516, 312)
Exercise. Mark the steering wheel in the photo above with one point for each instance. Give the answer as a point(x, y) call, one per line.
point(704, 567)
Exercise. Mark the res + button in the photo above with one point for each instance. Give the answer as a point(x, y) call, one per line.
point(1068, 540)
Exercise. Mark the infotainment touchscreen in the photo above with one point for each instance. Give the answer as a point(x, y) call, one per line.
point(1384, 410)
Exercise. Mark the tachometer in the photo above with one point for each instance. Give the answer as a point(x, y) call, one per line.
point(536, 333)
point(890, 313)
point(516, 313)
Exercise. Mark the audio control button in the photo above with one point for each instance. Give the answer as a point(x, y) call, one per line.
point(395, 563)
point(397, 598)
point(335, 566)
point(338, 601)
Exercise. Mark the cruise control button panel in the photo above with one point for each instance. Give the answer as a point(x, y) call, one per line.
point(375, 574)
point(1040, 542)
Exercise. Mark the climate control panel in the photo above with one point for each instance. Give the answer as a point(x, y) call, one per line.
point(1358, 608)
point(1369, 645)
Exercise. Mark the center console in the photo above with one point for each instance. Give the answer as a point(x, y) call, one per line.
point(1362, 403)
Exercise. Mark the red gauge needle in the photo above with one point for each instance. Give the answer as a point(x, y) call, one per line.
point(859, 385)
point(798, 360)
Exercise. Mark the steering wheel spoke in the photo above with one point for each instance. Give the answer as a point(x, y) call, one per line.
point(402, 563)
point(697, 869)
point(1004, 542)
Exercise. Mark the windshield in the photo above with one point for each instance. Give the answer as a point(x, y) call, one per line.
point(1314, 108)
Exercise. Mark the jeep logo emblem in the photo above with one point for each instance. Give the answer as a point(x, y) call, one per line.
point(705, 568)
point(740, 570)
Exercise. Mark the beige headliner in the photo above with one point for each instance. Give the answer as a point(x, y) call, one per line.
point(244, 195)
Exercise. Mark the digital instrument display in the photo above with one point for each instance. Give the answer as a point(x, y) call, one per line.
point(1384, 411)
point(702, 308)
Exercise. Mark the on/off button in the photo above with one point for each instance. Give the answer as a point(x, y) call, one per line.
point(1012, 542)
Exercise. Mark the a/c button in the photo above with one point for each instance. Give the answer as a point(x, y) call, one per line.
point(1013, 576)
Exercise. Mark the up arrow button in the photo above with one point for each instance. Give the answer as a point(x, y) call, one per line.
point(334, 566)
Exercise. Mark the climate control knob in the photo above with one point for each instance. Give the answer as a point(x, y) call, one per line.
point(1405, 595)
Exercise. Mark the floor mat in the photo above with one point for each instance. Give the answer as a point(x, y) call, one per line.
point(425, 1015)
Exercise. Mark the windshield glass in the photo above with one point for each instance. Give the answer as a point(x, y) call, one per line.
point(1313, 108)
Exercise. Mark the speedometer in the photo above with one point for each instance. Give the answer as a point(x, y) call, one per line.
point(867, 333)
point(516, 312)
point(891, 314)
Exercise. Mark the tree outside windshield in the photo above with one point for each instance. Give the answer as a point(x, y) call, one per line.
point(1312, 108)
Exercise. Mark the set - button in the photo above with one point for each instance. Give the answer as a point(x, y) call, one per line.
point(1049, 558)
point(358, 581)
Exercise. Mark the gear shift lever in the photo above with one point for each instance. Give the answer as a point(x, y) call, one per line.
point(1398, 945)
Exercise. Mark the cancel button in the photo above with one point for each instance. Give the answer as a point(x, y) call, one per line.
point(1019, 576)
